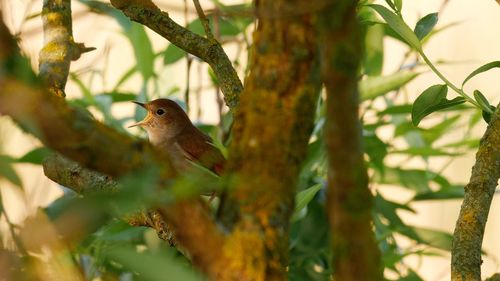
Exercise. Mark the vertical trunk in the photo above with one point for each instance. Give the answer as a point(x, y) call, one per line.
point(356, 256)
point(272, 129)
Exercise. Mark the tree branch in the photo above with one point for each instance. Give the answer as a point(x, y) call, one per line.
point(210, 51)
point(59, 48)
point(349, 201)
point(70, 174)
point(469, 230)
point(75, 135)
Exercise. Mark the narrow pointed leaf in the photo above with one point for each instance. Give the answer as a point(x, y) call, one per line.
point(398, 25)
point(173, 54)
point(7, 171)
point(143, 50)
point(373, 87)
point(482, 69)
point(35, 156)
point(303, 198)
point(482, 101)
point(425, 25)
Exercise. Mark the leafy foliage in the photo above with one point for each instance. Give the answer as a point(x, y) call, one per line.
point(110, 248)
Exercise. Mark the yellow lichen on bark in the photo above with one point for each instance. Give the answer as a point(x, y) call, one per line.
point(244, 249)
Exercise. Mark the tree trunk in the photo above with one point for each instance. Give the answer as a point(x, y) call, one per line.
point(271, 131)
point(349, 201)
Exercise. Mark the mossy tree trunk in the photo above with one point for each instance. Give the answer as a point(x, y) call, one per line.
point(272, 127)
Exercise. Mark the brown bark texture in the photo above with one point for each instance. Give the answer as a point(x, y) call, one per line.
point(468, 236)
point(355, 253)
point(272, 127)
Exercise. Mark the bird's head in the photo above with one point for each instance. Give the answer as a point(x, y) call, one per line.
point(164, 120)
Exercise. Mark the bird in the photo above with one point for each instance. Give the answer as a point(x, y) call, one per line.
point(170, 129)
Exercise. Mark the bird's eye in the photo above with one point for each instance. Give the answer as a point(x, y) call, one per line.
point(160, 111)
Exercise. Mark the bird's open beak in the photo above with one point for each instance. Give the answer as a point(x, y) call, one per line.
point(141, 122)
point(136, 124)
point(139, 103)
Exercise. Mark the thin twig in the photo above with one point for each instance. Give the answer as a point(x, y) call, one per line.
point(204, 20)
point(188, 61)
point(15, 238)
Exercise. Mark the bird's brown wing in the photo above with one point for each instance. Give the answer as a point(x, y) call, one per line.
point(199, 147)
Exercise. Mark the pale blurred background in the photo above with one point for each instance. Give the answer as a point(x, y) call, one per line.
point(471, 43)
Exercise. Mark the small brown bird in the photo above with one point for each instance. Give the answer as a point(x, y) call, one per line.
point(169, 128)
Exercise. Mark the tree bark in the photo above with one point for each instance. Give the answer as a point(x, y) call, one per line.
point(272, 127)
point(355, 254)
point(468, 236)
point(59, 48)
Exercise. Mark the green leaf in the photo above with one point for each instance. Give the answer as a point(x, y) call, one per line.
point(388, 210)
point(36, 156)
point(417, 180)
point(453, 192)
point(303, 198)
point(398, 25)
point(87, 94)
point(376, 150)
point(157, 266)
point(435, 132)
point(373, 87)
point(374, 49)
point(396, 109)
point(435, 238)
point(431, 100)
point(172, 54)
point(8, 172)
point(487, 114)
point(143, 50)
point(482, 101)
point(467, 143)
point(481, 69)
point(398, 4)
point(125, 76)
point(425, 25)
point(117, 96)
point(118, 230)
point(391, 4)
point(104, 8)
point(428, 100)
point(424, 151)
